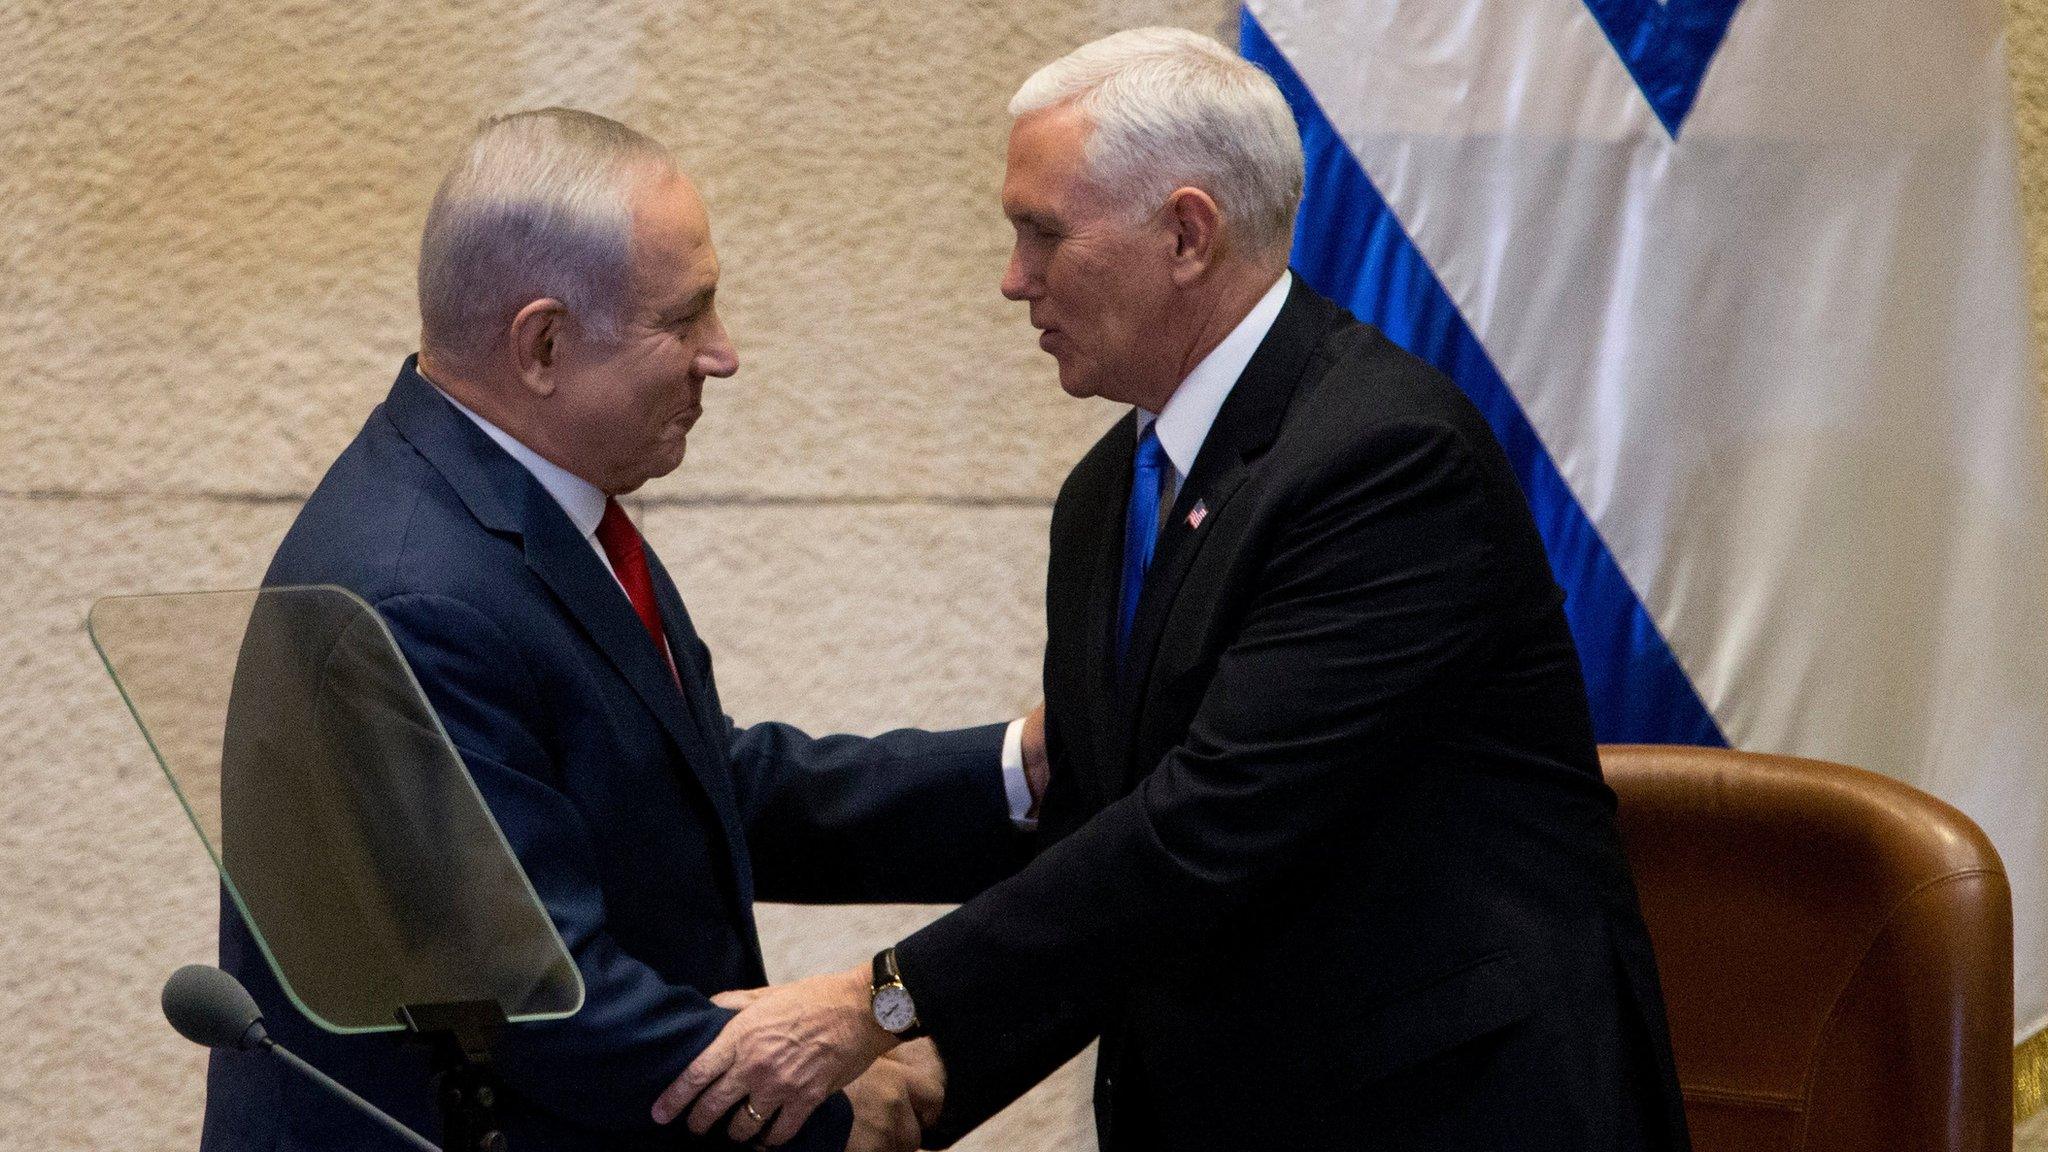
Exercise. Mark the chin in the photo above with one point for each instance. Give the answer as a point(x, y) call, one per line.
point(674, 460)
point(1074, 384)
point(653, 470)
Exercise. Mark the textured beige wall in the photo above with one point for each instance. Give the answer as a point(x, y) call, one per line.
point(206, 265)
point(211, 214)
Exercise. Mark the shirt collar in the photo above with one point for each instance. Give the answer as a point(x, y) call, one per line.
point(581, 500)
point(1185, 421)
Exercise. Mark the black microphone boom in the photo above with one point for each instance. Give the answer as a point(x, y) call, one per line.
point(211, 1008)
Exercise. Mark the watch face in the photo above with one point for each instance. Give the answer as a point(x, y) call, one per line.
point(893, 1009)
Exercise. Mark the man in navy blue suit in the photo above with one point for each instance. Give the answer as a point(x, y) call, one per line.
point(567, 282)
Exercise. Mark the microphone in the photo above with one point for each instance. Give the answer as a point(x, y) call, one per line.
point(211, 1008)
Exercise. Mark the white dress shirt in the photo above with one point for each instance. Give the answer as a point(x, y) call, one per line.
point(1190, 412)
point(583, 502)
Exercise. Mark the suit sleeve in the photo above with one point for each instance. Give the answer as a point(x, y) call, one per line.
point(1381, 589)
point(602, 1067)
point(907, 816)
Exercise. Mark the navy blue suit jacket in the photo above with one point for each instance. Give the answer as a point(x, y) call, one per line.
point(648, 823)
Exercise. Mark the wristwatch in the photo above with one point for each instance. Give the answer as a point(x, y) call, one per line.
point(891, 1001)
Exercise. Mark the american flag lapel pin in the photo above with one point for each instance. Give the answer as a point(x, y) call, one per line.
point(1197, 514)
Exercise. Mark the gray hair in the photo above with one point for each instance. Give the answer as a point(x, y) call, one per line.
point(1172, 109)
point(539, 206)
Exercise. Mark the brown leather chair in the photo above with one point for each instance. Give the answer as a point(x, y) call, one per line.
point(1835, 947)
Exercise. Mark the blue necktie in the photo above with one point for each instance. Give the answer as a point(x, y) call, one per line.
point(1141, 530)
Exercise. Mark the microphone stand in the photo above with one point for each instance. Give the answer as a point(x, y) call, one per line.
point(210, 1007)
point(465, 1085)
point(291, 1058)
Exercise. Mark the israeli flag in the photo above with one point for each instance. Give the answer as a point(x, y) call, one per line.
point(1739, 285)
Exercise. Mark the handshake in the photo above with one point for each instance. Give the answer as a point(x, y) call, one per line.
point(791, 1047)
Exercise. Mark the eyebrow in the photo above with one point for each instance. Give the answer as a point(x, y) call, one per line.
point(694, 304)
point(1035, 219)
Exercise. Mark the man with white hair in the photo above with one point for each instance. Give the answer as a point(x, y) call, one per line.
point(1328, 861)
point(568, 323)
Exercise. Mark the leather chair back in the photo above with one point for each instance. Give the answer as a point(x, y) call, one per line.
point(1835, 949)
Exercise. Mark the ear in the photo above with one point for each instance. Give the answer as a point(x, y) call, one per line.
point(1197, 227)
point(533, 338)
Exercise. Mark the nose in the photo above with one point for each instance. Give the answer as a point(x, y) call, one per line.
point(1017, 284)
point(718, 357)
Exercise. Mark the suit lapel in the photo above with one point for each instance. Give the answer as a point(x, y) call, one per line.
point(563, 559)
point(682, 640)
point(700, 697)
point(1081, 602)
point(505, 498)
point(1104, 498)
point(1244, 428)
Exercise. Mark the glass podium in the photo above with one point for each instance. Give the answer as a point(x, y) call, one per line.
point(345, 828)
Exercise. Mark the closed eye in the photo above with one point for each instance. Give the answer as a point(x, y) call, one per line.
point(692, 311)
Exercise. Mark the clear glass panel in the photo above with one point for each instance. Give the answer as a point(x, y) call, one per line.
point(343, 823)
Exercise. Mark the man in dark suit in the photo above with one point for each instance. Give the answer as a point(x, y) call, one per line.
point(567, 298)
point(1328, 860)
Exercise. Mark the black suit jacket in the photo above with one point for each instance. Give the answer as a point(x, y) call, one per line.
point(1330, 864)
point(647, 821)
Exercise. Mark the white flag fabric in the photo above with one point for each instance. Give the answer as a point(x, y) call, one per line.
point(1740, 286)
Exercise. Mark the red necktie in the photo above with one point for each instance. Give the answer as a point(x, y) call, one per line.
point(622, 546)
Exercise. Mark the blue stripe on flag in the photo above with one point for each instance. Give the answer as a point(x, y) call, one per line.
point(1667, 45)
point(1349, 246)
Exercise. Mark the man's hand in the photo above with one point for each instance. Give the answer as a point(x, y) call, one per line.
point(789, 1049)
point(926, 1074)
point(897, 1099)
point(1037, 768)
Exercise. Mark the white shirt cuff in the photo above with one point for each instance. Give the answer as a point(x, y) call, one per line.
point(1014, 785)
